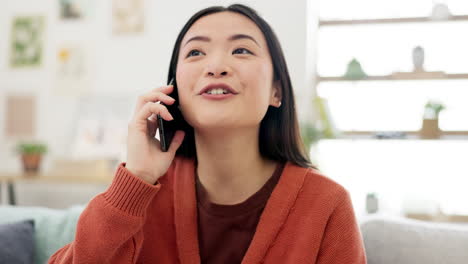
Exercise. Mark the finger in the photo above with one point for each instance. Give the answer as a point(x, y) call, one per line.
point(167, 89)
point(176, 141)
point(151, 108)
point(153, 96)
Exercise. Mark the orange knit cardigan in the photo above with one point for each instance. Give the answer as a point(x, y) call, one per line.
point(308, 219)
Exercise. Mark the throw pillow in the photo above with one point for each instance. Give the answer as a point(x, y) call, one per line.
point(17, 242)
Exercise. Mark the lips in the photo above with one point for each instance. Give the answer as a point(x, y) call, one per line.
point(218, 85)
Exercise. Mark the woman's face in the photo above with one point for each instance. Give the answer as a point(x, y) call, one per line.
point(225, 49)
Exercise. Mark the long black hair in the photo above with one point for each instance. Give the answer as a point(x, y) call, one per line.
point(279, 137)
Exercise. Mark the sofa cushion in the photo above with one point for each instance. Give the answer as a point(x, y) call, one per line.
point(54, 228)
point(17, 242)
point(405, 241)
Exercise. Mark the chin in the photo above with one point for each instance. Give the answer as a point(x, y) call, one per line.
point(216, 121)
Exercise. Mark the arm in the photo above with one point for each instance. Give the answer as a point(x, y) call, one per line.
point(109, 229)
point(342, 240)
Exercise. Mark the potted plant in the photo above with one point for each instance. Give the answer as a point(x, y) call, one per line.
point(430, 127)
point(309, 134)
point(31, 155)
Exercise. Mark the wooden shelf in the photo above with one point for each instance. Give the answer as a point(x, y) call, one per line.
point(388, 21)
point(396, 77)
point(56, 178)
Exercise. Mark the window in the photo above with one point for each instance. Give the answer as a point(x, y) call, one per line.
point(384, 103)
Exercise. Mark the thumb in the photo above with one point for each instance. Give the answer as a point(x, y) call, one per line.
point(176, 141)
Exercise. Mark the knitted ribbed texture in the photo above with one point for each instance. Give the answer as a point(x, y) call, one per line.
point(308, 219)
point(129, 193)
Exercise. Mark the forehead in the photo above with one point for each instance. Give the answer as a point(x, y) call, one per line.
point(222, 25)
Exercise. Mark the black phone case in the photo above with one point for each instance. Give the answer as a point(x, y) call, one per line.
point(167, 129)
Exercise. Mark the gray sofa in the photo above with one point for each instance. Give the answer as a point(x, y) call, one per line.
point(53, 228)
point(387, 240)
point(405, 241)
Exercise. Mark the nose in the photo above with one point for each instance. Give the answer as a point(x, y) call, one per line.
point(217, 73)
point(217, 68)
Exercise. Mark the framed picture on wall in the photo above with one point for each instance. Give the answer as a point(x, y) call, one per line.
point(73, 76)
point(101, 127)
point(71, 9)
point(127, 16)
point(20, 119)
point(26, 41)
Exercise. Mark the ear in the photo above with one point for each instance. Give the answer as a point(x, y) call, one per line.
point(276, 95)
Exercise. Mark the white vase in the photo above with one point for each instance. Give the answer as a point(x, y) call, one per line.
point(418, 59)
point(440, 11)
point(372, 203)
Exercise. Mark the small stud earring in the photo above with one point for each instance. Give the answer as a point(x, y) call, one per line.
point(279, 104)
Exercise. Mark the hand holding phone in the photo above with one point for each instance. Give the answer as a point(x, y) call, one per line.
point(144, 156)
point(167, 129)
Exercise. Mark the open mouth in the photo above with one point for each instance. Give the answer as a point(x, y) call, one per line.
point(217, 91)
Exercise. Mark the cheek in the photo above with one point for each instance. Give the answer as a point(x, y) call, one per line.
point(184, 74)
point(186, 83)
point(259, 80)
point(185, 77)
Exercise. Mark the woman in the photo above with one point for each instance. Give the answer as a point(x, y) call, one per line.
point(240, 188)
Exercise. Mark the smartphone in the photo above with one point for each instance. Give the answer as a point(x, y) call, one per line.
point(167, 129)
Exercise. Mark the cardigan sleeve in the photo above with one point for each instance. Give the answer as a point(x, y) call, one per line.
point(110, 228)
point(342, 241)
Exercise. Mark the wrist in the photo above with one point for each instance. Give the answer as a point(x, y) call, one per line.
point(141, 175)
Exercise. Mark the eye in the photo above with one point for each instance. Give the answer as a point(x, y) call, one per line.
point(241, 51)
point(194, 53)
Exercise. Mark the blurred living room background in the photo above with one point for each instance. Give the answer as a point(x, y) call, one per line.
point(381, 88)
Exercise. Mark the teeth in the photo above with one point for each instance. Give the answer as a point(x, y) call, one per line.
point(217, 91)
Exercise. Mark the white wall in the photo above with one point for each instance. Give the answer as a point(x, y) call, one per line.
point(127, 65)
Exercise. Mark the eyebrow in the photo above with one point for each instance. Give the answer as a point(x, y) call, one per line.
point(232, 38)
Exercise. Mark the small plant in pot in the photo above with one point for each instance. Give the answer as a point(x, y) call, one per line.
point(430, 128)
point(31, 155)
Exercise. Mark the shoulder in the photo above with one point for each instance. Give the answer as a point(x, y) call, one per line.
point(318, 188)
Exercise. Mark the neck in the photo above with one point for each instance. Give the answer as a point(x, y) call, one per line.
point(230, 166)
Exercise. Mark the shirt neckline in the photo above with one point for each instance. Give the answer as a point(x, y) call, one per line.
point(255, 201)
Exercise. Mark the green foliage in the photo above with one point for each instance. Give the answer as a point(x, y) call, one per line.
point(435, 106)
point(309, 134)
point(354, 70)
point(432, 109)
point(31, 148)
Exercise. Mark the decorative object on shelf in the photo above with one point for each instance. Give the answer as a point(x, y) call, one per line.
point(372, 203)
point(26, 41)
point(430, 127)
point(354, 70)
point(390, 135)
point(440, 11)
point(31, 155)
point(418, 59)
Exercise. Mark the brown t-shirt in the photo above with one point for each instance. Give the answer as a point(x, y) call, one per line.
point(225, 231)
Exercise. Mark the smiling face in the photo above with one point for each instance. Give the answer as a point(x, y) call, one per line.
point(225, 50)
